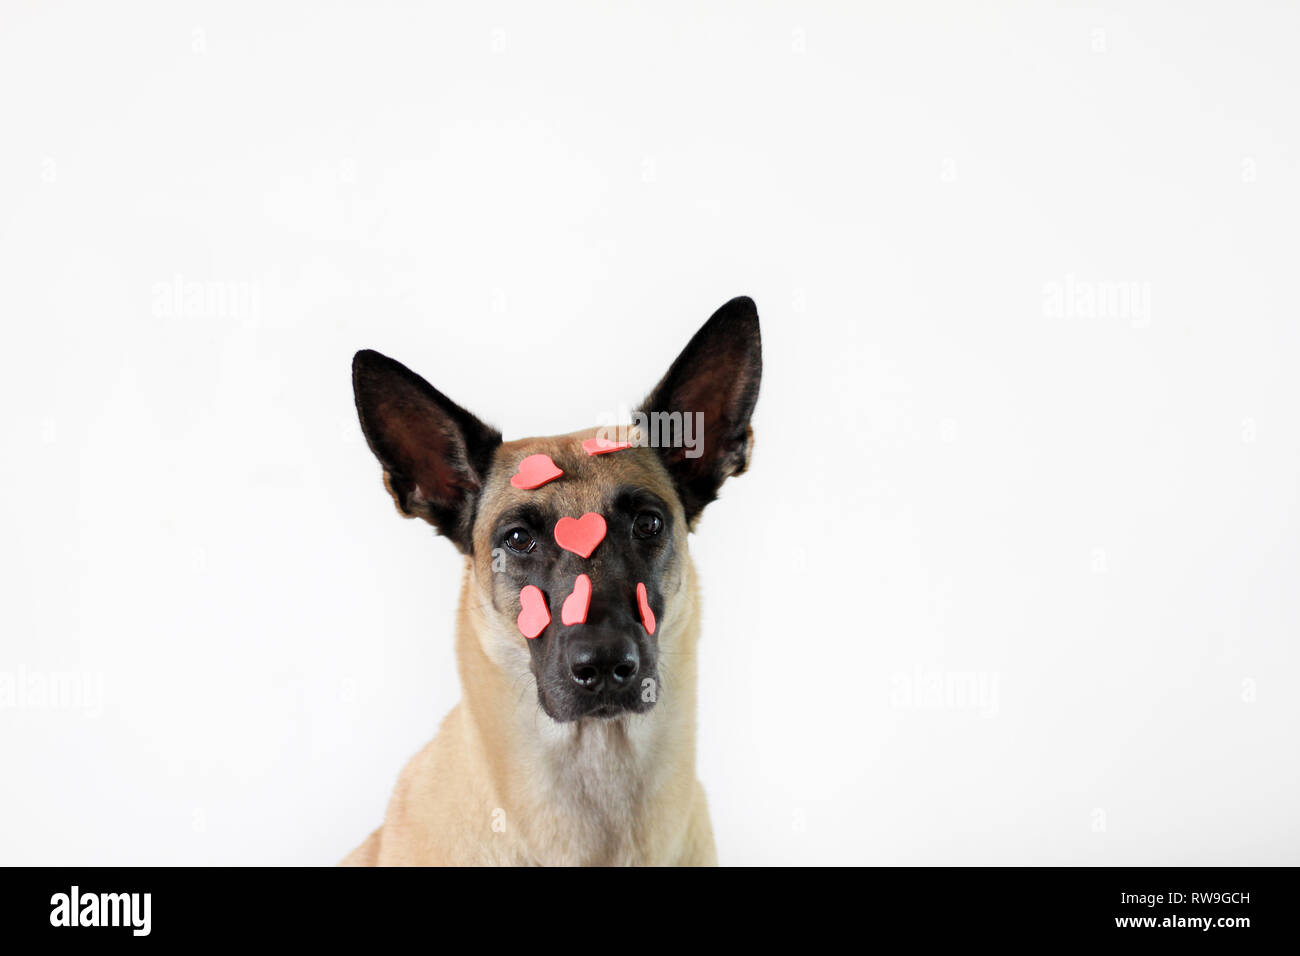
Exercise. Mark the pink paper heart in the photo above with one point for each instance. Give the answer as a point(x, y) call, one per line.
point(601, 446)
point(580, 535)
point(535, 471)
point(534, 616)
point(647, 615)
point(574, 609)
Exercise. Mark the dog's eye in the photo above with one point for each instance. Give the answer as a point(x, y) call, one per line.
point(647, 524)
point(520, 541)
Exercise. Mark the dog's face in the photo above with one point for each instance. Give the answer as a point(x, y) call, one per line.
point(606, 661)
point(588, 611)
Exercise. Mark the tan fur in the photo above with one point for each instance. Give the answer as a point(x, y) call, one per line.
point(502, 783)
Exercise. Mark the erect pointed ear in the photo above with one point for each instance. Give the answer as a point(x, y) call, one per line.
point(435, 454)
point(713, 384)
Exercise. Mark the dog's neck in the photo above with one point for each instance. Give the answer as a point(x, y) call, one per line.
point(593, 780)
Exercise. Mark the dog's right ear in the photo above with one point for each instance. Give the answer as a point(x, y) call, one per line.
point(435, 454)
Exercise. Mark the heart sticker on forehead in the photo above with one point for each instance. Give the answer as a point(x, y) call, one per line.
point(535, 471)
point(603, 446)
point(580, 535)
point(533, 616)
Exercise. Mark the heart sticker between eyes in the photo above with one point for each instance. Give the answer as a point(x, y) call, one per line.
point(580, 535)
point(574, 609)
point(647, 615)
point(534, 616)
point(602, 446)
point(535, 471)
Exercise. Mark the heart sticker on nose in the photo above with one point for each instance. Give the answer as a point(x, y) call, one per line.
point(534, 617)
point(603, 446)
point(574, 609)
point(647, 615)
point(535, 471)
point(580, 535)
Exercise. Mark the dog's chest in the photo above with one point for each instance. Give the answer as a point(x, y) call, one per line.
point(595, 792)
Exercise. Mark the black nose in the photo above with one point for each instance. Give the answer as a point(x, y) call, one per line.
point(600, 662)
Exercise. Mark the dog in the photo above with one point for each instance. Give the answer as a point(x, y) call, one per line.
point(574, 741)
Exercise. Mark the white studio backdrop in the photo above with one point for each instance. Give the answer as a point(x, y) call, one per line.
point(1011, 578)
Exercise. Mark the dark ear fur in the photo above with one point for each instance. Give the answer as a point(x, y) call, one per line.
point(435, 454)
point(717, 374)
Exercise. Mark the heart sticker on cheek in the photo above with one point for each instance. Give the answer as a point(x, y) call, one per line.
point(534, 616)
point(535, 471)
point(580, 535)
point(603, 446)
point(574, 609)
point(647, 615)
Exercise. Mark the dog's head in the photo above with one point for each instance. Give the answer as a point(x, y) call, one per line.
point(580, 578)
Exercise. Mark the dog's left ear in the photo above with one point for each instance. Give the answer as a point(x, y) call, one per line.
point(717, 375)
point(435, 454)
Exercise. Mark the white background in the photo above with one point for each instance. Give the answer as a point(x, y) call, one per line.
point(966, 476)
